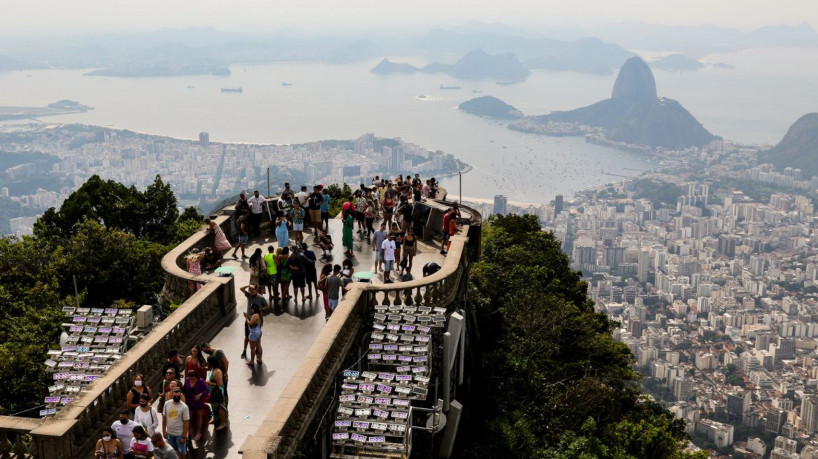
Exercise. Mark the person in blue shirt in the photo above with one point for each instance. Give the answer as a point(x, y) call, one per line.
point(325, 209)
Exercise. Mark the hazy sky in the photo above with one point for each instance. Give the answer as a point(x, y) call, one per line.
point(36, 16)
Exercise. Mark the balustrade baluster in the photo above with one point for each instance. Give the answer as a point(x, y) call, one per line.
point(19, 449)
point(386, 299)
point(5, 445)
point(398, 301)
point(408, 300)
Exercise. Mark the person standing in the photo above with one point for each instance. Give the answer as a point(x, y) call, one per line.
point(254, 322)
point(224, 363)
point(409, 249)
point(369, 218)
point(176, 423)
point(297, 269)
point(282, 231)
point(195, 391)
point(314, 203)
point(298, 223)
point(141, 445)
point(258, 270)
point(284, 275)
point(253, 299)
point(325, 209)
point(215, 381)
point(272, 274)
point(146, 415)
point(136, 391)
point(256, 211)
point(303, 200)
point(309, 270)
point(377, 242)
point(326, 271)
point(388, 254)
point(241, 223)
point(124, 431)
point(242, 206)
point(196, 362)
point(388, 207)
point(108, 447)
point(349, 224)
point(335, 285)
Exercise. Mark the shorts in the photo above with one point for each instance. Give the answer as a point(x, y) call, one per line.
point(255, 334)
point(272, 279)
point(388, 265)
point(324, 215)
point(377, 256)
point(299, 280)
point(246, 329)
point(298, 227)
point(243, 238)
point(175, 442)
point(333, 304)
point(315, 215)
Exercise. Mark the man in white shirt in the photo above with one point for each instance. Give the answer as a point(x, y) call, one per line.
point(304, 200)
point(256, 210)
point(388, 255)
point(124, 430)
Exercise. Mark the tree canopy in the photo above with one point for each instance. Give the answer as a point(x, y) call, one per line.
point(553, 383)
point(112, 238)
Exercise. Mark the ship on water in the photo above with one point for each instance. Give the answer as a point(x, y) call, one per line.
point(238, 90)
point(449, 87)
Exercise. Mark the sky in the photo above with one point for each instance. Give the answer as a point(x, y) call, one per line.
point(35, 17)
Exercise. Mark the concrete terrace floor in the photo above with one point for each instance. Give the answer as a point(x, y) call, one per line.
point(288, 333)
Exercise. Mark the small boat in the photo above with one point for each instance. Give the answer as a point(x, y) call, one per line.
point(286, 84)
point(238, 90)
point(449, 87)
point(422, 96)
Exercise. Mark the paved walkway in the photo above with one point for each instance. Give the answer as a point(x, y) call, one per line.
point(287, 336)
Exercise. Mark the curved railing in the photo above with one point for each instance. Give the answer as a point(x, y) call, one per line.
point(286, 424)
point(74, 430)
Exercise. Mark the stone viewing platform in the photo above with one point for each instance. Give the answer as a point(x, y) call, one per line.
point(277, 407)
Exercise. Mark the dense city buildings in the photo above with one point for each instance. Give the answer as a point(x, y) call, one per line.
point(200, 172)
point(711, 269)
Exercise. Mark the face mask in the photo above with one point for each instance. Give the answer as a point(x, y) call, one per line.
point(106, 438)
point(143, 404)
point(124, 421)
point(177, 398)
point(137, 383)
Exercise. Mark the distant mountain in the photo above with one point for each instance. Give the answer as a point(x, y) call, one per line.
point(476, 64)
point(701, 40)
point(635, 115)
point(490, 107)
point(798, 148)
point(385, 67)
point(676, 63)
point(635, 81)
point(587, 55)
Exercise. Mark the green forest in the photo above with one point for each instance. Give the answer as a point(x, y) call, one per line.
point(548, 380)
point(112, 238)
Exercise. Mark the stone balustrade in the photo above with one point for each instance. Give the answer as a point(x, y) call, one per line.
point(73, 432)
point(305, 395)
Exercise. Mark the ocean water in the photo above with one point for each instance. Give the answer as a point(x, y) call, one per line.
point(753, 103)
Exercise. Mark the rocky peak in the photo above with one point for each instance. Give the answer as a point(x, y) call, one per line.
point(635, 81)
